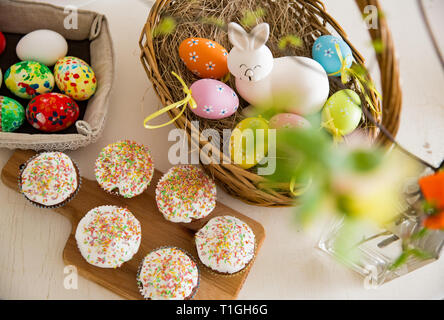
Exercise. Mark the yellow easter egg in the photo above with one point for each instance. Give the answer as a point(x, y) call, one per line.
point(249, 142)
point(75, 78)
point(28, 79)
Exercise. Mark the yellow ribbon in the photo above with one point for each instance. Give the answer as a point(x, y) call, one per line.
point(343, 70)
point(329, 124)
point(188, 100)
point(300, 191)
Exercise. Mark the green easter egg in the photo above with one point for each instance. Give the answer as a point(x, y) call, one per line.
point(342, 113)
point(12, 114)
point(245, 142)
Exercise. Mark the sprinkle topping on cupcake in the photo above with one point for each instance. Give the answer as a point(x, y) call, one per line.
point(124, 167)
point(225, 244)
point(108, 236)
point(49, 179)
point(185, 193)
point(168, 274)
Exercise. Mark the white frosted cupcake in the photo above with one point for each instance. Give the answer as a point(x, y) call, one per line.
point(49, 179)
point(124, 168)
point(108, 236)
point(225, 244)
point(168, 274)
point(185, 194)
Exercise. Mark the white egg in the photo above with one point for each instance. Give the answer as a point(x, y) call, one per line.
point(1, 78)
point(44, 46)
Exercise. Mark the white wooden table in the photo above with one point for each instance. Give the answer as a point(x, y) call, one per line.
point(288, 266)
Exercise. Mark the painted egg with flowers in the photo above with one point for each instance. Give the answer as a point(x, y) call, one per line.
point(204, 57)
point(12, 114)
point(325, 52)
point(75, 78)
point(215, 100)
point(28, 79)
point(52, 112)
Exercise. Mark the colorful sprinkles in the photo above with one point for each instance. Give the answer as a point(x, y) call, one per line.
point(225, 244)
point(168, 274)
point(108, 236)
point(126, 167)
point(185, 193)
point(49, 179)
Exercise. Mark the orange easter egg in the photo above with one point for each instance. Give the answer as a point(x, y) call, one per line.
point(204, 57)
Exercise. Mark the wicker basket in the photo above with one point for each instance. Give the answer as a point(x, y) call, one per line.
point(245, 184)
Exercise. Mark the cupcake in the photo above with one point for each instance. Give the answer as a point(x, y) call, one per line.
point(225, 244)
point(168, 274)
point(185, 194)
point(124, 168)
point(49, 180)
point(108, 236)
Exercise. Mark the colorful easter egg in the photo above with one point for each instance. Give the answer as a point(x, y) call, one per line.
point(75, 78)
point(324, 51)
point(289, 121)
point(204, 57)
point(215, 100)
point(249, 142)
point(12, 114)
point(44, 46)
point(28, 79)
point(52, 112)
point(2, 43)
point(342, 113)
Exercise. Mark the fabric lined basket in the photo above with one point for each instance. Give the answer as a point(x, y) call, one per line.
point(91, 27)
point(308, 20)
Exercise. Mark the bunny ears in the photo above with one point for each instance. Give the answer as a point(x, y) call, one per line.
point(257, 38)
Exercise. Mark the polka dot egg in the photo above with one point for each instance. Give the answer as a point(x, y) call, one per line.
point(324, 51)
point(12, 114)
point(28, 79)
point(342, 113)
point(75, 78)
point(215, 100)
point(204, 57)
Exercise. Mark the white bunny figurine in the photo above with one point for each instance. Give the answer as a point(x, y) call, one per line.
point(260, 78)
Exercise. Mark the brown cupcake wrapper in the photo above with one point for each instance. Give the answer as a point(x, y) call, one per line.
point(231, 275)
point(188, 254)
point(42, 206)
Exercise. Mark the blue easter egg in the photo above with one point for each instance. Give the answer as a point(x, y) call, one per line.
point(324, 51)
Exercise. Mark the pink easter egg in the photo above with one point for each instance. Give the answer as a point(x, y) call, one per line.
point(289, 121)
point(215, 100)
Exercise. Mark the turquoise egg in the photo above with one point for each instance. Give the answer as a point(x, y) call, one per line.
point(324, 51)
point(12, 114)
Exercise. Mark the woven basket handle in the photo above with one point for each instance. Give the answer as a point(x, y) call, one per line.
point(388, 65)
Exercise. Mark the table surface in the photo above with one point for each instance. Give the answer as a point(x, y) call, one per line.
point(289, 266)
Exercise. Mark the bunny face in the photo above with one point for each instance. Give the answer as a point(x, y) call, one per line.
point(250, 60)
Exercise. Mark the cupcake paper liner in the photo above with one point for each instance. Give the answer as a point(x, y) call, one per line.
point(63, 203)
point(188, 254)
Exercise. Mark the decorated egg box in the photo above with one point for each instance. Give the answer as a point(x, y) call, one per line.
point(56, 80)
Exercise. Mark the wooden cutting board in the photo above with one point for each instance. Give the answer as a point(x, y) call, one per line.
point(156, 232)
